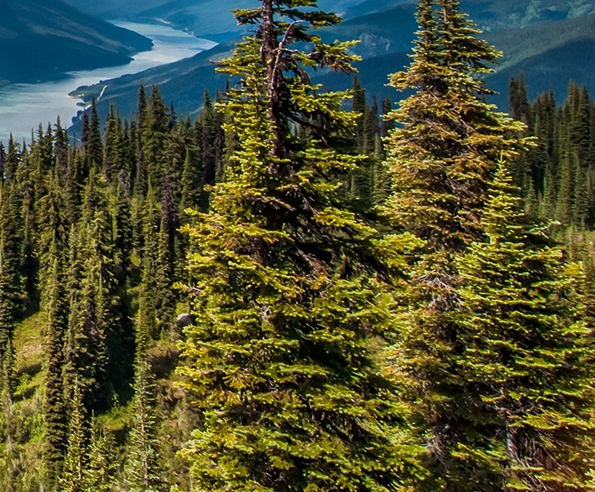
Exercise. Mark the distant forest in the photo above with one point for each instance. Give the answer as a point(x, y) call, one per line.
point(305, 290)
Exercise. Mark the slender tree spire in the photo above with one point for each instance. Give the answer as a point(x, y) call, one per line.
point(279, 361)
point(442, 157)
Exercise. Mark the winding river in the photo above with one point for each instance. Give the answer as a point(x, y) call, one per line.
point(24, 106)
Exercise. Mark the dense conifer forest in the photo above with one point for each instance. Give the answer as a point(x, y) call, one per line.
point(305, 290)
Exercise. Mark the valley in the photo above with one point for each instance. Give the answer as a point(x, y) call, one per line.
point(24, 106)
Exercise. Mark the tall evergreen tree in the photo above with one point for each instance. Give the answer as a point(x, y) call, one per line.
point(75, 462)
point(358, 106)
point(10, 250)
point(143, 471)
point(54, 302)
point(527, 360)
point(91, 138)
point(441, 159)
point(9, 456)
point(100, 472)
point(279, 362)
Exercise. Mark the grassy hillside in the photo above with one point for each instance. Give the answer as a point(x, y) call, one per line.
point(40, 40)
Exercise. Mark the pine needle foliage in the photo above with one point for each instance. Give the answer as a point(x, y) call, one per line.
point(528, 361)
point(279, 362)
point(441, 156)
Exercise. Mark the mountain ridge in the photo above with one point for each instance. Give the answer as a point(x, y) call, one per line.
point(41, 40)
point(385, 42)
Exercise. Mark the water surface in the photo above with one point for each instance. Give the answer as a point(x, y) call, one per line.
point(24, 106)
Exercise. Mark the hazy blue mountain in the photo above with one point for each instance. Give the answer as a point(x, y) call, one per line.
point(115, 9)
point(209, 18)
point(492, 15)
point(42, 39)
point(213, 18)
point(550, 53)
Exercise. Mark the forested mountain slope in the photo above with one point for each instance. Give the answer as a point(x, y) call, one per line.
point(284, 291)
point(114, 9)
point(205, 18)
point(550, 54)
point(40, 40)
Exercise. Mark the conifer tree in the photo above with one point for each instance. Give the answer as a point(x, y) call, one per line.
point(61, 151)
point(358, 106)
point(91, 138)
point(54, 408)
point(371, 129)
point(143, 472)
point(10, 249)
point(120, 338)
point(153, 137)
point(527, 360)
point(75, 462)
point(9, 456)
point(207, 139)
point(11, 160)
point(101, 470)
point(279, 363)
point(54, 302)
point(192, 181)
point(91, 283)
point(441, 159)
point(518, 102)
point(113, 161)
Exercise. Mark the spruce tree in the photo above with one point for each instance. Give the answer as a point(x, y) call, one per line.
point(527, 360)
point(91, 138)
point(10, 249)
point(441, 159)
point(91, 287)
point(358, 106)
point(279, 363)
point(55, 306)
point(75, 461)
point(143, 471)
point(207, 139)
point(9, 454)
point(100, 472)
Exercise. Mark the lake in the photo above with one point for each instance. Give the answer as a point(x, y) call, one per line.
point(24, 106)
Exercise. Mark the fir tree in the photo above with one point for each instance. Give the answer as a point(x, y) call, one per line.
point(54, 302)
point(279, 363)
point(192, 181)
point(75, 462)
point(10, 249)
point(143, 472)
point(54, 408)
point(9, 456)
point(527, 360)
point(358, 106)
point(207, 136)
point(441, 160)
point(91, 138)
point(100, 472)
